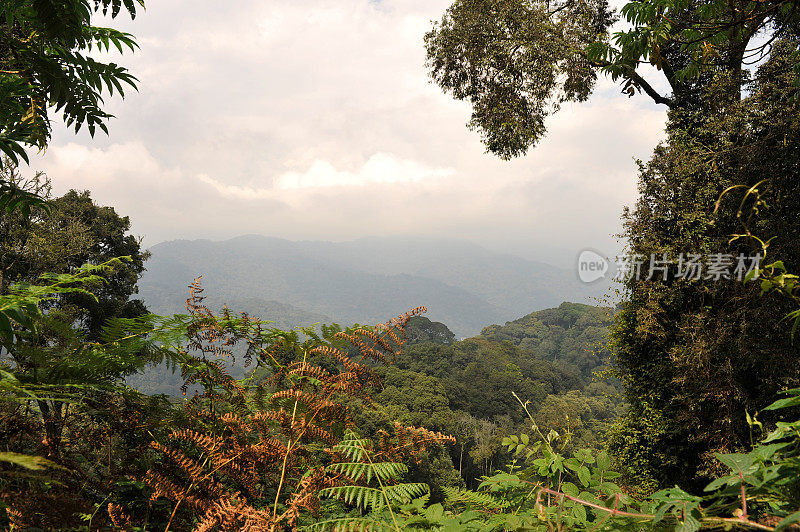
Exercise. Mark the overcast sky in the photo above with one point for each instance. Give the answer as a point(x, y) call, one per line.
point(316, 120)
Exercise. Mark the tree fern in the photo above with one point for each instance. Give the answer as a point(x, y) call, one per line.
point(20, 308)
point(473, 499)
point(377, 500)
point(353, 524)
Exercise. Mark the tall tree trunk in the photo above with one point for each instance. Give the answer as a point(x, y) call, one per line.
point(53, 427)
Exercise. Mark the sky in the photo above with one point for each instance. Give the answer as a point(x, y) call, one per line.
point(312, 119)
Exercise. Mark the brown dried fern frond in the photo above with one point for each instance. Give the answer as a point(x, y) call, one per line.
point(119, 518)
point(407, 442)
point(233, 514)
point(230, 455)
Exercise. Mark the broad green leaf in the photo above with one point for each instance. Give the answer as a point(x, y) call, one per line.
point(789, 520)
point(603, 461)
point(584, 476)
point(34, 463)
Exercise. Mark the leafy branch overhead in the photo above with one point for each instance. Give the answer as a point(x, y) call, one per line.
point(46, 66)
point(517, 61)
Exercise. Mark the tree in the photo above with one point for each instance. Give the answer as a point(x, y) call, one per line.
point(691, 355)
point(73, 231)
point(56, 347)
point(573, 335)
point(694, 353)
point(412, 399)
point(45, 66)
point(42, 66)
point(516, 61)
point(421, 329)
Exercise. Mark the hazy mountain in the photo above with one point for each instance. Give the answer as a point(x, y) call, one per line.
point(366, 280)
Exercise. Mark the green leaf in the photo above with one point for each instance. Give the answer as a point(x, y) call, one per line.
point(786, 402)
point(434, 512)
point(579, 511)
point(603, 461)
point(789, 520)
point(34, 463)
point(570, 489)
point(689, 525)
point(718, 483)
point(609, 488)
point(584, 475)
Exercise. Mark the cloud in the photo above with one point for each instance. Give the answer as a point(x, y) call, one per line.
point(92, 166)
point(379, 168)
point(312, 119)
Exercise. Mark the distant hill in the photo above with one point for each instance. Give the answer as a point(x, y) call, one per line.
point(548, 357)
point(365, 281)
point(572, 334)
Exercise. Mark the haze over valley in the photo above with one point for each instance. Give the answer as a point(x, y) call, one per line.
point(368, 280)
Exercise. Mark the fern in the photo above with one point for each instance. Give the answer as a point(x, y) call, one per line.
point(20, 308)
point(251, 453)
point(481, 501)
point(388, 493)
point(352, 524)
point(375, 499)
point(363, 471)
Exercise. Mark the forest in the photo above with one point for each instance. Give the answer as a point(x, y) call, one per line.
point(675, 408)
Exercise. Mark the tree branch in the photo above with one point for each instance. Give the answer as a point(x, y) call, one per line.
point(641, 83)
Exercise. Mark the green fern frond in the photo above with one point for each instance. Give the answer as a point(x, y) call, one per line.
point(353, 447)
point(406, 492)
point(475, 500)
point(374, 499)
point(20, 308)
point(385, 471)
point(351, 524)
point(362, 496)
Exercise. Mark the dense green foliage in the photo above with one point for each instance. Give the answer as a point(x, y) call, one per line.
point(693, 353)
point(466, 388)
point(547, 489)
point(58, 388)
point(220, 459)
point(572, 335)
point(210, 449)
point(516, 61)
point(46, 66)
point(422, 330)
point(73, 231)
point(519, 428)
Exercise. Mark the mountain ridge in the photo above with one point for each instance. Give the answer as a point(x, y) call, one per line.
point(365, 280)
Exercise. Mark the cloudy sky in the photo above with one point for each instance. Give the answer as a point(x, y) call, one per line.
point(310, 119)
